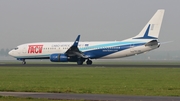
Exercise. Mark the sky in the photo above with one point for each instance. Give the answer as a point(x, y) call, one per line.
point(24, 21)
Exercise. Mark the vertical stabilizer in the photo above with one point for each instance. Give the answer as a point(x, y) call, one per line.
point(152, 28)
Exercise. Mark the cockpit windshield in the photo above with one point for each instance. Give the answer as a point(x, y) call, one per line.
point(16, 48)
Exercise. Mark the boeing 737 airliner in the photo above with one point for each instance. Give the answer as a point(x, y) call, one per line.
point(80, 52)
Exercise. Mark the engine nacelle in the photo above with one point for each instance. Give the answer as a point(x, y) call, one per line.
point(58, 58)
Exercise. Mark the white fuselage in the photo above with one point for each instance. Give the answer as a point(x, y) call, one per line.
point(111, 49)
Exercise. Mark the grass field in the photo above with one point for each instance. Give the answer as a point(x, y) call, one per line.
point(123, 81)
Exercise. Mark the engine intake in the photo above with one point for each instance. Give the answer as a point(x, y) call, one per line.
point(58, 58)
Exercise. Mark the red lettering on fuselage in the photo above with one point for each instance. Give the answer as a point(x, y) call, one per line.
point(36, 49)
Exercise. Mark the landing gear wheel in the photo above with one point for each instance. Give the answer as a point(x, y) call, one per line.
point(89, 62)
point(24, 62)
point(79, 62)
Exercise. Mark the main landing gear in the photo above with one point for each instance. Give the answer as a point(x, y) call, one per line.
point(80, 62)
point(88, 62)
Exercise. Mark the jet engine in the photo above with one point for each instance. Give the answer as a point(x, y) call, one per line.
point(58, 58)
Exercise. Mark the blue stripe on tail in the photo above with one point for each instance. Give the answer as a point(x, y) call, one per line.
point(146, 34)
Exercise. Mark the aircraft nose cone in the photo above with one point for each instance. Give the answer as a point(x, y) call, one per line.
point(10, 53)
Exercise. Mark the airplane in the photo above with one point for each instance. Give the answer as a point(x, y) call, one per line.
point(81, 52)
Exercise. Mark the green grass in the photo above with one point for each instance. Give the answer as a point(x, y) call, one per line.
point(123, 81)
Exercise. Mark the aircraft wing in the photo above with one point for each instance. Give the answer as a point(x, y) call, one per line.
point(74, 50)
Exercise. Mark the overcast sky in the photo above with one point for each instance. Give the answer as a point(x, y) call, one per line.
point(24, 21)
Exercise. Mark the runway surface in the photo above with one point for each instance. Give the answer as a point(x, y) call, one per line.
point(88, 97)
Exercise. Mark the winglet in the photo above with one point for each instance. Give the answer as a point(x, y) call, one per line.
point(76, 41)
point(74, 50)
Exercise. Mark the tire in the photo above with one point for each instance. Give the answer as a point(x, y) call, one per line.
point(79, 62)
point(89, 62)
point(24, 62)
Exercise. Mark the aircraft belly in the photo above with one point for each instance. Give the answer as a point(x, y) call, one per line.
point(129, 52)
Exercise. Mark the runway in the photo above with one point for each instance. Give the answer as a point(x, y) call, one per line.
point(88, 97)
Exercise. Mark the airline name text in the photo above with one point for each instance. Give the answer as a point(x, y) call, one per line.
point(35, 49)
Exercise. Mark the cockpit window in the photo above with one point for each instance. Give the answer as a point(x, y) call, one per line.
point(16, 48)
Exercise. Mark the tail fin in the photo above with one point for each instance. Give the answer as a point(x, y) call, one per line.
point(152, 28)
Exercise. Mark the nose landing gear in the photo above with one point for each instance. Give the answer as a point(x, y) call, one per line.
point(23, 60)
